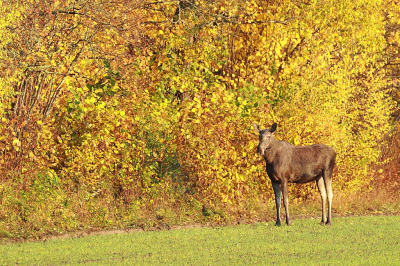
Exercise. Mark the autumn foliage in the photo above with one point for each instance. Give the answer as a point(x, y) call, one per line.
point(122, 111)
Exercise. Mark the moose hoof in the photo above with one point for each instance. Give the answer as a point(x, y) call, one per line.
point(328, 223)
point(278, 224)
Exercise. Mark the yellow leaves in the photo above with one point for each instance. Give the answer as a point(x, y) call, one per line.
point(51, 173)
point(16, 144)
point(296, 140)
point(278, 51)
point(101, 105)
point(310, 75)
point(216, 148)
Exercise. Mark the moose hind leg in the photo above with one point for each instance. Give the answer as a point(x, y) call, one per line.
point(277, 192)
point(328, 187)
point(322, 191)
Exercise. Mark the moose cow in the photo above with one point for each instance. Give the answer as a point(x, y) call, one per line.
point(287, 163)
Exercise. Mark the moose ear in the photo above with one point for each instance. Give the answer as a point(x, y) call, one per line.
point(273, 127)
point(256, 128)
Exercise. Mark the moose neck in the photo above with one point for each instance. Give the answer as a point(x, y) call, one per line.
point(270, 153)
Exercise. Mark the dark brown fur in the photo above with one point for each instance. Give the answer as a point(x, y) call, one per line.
point(287, 163)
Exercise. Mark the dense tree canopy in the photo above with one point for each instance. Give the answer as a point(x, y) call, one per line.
point(127, 102)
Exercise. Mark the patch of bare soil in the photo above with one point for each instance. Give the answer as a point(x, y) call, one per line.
point(117, 231)
point(98, 232)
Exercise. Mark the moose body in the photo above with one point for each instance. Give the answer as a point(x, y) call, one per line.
point(287, 163)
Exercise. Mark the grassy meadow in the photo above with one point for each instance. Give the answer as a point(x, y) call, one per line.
point(349, 241)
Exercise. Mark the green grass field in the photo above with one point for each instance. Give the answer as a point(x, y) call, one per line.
point(349, 241)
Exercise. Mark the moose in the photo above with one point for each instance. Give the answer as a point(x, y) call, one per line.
point(287, 163)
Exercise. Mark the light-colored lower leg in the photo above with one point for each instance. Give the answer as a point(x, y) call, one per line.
point(328, 186)
point(322, 191)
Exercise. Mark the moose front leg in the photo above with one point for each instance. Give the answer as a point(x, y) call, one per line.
point(284, 187)
point(277, 191)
